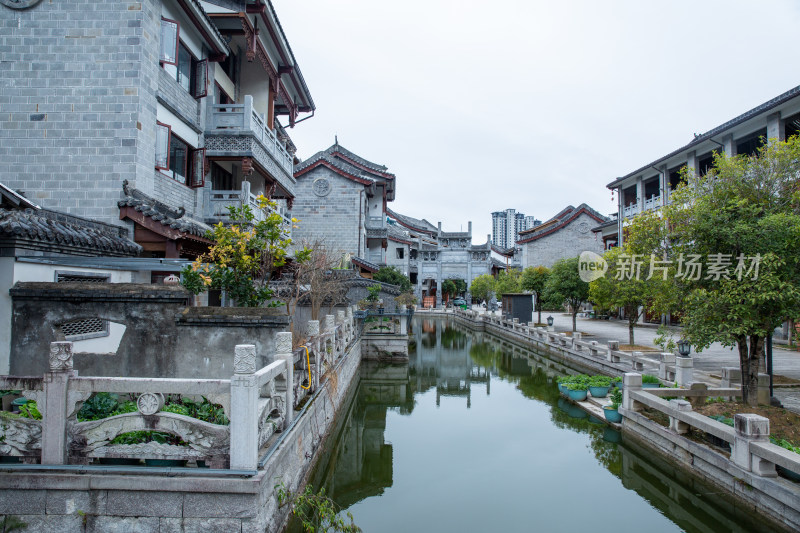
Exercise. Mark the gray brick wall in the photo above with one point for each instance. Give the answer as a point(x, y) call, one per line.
point(78, 85)
point(176, 99)
point(176, 194)
point(567, 242)
point(334, 217)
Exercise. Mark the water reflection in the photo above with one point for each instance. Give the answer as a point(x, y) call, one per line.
point(449, 369)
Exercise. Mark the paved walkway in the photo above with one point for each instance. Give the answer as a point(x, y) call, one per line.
point(708, 362)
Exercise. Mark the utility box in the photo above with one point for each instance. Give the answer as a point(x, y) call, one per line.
point(519, 306)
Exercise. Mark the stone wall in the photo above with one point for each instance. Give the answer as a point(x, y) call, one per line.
point(332, 218)
point(569, 241)
point(98, 501)
point(77, 105)
point(163, 337)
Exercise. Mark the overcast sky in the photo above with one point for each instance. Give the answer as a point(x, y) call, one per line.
point(531, 105)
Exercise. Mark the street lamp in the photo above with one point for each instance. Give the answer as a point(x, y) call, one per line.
point(549, 321)
point(684, 348)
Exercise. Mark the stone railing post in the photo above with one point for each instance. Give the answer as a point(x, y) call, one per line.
point(632, 382)
point(684, 371)
point(330, 332)
point(247, 117)
point(284, 351)
point(54, 410)
point(576, 336)
point(244, 409)
point(763, 389)
point(751, 428)
point(404, 320)
point(349, 317)
point(613, 345)
point(312, 330)
point(340, 321)
point(674, 424)
point(663, 366)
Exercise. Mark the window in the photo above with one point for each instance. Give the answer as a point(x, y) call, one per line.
point(749, 145)
point(792, 126)
point(174, 156)
point(228, 66)
point(169, 41)
point(178, 158)
point(190, 73)
point(706, 162)
point(163, 134)
point(400, 253)
point(86, 328)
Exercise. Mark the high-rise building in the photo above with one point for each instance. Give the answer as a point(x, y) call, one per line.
point(506, 226)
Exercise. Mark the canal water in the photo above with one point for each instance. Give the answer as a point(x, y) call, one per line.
point(472, 436)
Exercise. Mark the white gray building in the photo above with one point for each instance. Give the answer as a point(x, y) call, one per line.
point(649, 187)
point(565, 235)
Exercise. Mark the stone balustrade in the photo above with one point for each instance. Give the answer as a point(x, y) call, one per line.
point(258, 403)
point(751, 449)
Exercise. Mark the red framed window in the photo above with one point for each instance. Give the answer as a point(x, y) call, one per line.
point(200, 86)
point(198, 170)
point(163, 135)
point(170, 32)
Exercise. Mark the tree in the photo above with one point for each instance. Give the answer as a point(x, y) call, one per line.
point(742, 219)
point(616, 289)
point(482, 286)
point(449, 288)
point(244, 256)
point(393, 276)
point(508, 282)
point(534, 280)
point(313, 280)
point(564, 284)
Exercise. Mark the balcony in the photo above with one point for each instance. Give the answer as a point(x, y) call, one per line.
point(219, 201)
point(237, 130)
point(630, 210)
point(654, 202)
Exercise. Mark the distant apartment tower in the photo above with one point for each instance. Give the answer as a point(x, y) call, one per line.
point(506, 226)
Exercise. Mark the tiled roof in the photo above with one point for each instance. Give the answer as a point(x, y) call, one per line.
point(357, 158)
point(503, 251)
point(413, 223)
point(160, 212)
point(65, 231)
point(559, 221)
point(367, 265)
point(14, 198)
point(766, 106)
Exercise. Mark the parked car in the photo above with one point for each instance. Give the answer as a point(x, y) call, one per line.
point(460, 302)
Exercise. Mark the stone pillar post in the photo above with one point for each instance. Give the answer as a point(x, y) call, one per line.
point(330, 323)
point(244, 409)
point(674, 424)
point(639, 194)
point(340, 320)
point(684, 371)
point(728, 146)
point(54, 410)
point(312, 330)
point(349, 318)
point(751, 428)
point(632, 382)
point(663, 366)
point(284, 347)
point(404, 320)
point(763, 389)
point(775, 128)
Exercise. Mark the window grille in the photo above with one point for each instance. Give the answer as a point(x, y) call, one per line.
point(87, 328)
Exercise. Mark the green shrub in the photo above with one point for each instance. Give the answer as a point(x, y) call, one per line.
point(600, 381)
point(580, 385)
point(616, 398)
point(649, 378)
point(29, 410)
point(100, 405)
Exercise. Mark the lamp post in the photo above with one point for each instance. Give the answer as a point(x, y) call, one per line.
point(550, 321)
point(684, 348)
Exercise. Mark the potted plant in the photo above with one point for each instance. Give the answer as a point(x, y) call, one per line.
point(599, 385)
point(611, 411)
point(577, 390)
point(650, 381)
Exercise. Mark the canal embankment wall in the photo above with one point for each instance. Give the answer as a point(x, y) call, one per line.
point(744, 465)
point(59, 486)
